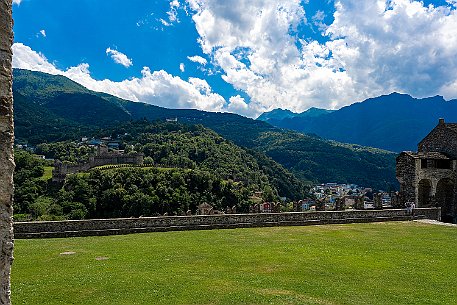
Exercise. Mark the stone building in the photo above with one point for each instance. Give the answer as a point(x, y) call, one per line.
point(428, 177)
point(102, 157)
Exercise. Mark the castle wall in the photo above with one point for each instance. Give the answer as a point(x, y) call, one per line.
point(116, 159)
point(51, 229)
point(61, 170)
point(407, 168)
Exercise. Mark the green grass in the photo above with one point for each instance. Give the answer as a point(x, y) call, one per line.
point(47, 173)
point(380, 263)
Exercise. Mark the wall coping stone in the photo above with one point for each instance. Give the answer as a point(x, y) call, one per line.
point(117, 226)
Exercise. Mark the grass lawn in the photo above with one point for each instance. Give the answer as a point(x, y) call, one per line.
point(379, 263)
point(47, 173)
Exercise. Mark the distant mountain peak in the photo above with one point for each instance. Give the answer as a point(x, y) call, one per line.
point(394, 93)
point(408, 96)
point(279, 114)
point(395, 121)
point(314, 112)
point(276, 114)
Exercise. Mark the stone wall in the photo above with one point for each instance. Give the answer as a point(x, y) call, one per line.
point(406, 175)
point(95, 227)
point(103, 157)
point(113, 158)
point(429, 177)
point(442, 138)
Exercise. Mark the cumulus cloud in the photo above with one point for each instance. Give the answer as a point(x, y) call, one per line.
point(119, 58)
point(398, 45)
point(154, 87)
point(25, 58)
point(182, 67)
point(17, 2)
point(372, 48)
point(238, 105)
point(198, 59)
point(253, 46)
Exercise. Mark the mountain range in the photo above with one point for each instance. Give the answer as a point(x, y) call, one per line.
point(394, 122)
point(51, 108)
point(281, 114)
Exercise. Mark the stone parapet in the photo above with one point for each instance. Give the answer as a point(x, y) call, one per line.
point(98, 227)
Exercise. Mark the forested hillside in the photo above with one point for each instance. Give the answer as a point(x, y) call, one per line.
point(189, 165)
point(121, 192)
point(60, 117)
point(394, 122)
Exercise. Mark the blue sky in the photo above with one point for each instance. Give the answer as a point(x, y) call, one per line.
point(243, 56)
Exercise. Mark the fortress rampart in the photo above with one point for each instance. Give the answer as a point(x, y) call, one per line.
point(102, 157)
point(97, 227)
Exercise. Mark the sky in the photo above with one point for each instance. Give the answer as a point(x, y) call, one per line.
point(243, 56)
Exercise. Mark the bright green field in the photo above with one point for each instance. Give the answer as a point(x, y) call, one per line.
point(47, 173)
point(379, 263)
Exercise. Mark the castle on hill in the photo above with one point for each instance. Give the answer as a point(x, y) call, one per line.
point(102, 157)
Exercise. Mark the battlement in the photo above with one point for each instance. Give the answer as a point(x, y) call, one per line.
point(102, 157)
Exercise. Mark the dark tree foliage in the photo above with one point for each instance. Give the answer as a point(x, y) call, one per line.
point(28, 186)
point(65, 151)
point(138, 192)
point(191, 165)
point(196, 147)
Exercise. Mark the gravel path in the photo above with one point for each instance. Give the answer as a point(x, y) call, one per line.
point(435, 222)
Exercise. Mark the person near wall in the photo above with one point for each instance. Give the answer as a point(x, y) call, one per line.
point(408, 208)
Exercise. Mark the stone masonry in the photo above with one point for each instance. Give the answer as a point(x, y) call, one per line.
point(428, 177)
point(94, 227)
point(102, 157)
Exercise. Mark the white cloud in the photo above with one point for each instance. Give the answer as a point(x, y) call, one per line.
point(197, 59)
point(374, 47)
point(182, 67)
point(399, 45)
point(154, 87)
point(238, 105)
point(25, 58)
point(318, 20)
point(43, 33)
point(172, 14)
point(253, 46)
point(119, 58)
point(164, 22)
point(17, 2)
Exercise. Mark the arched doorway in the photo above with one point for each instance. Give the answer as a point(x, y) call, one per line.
point(445, 198)
point(425, 189)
